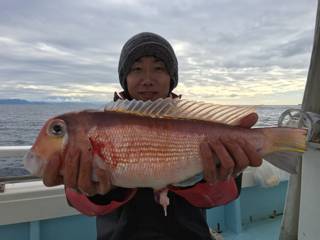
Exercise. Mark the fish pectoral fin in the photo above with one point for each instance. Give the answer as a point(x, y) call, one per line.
point(190, 181)
point(98, 163)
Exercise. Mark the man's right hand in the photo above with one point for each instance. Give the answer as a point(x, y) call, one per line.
point(75, 171)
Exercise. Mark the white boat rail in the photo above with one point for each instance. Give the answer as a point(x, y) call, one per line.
point(14, 151)
point(21, 195)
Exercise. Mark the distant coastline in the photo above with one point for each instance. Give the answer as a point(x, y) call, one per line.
point(14, 101)
point(20, 101)
point(23, 101)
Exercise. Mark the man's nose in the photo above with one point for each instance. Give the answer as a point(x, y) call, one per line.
point(147, 78)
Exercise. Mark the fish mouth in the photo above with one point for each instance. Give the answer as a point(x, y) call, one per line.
point(33, 163)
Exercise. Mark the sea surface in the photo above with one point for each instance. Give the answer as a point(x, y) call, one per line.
point(20, 124)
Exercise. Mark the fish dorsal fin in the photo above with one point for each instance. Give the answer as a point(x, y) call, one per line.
point(182, 109)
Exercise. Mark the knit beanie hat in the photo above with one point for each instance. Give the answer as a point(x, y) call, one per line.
point(147, 44)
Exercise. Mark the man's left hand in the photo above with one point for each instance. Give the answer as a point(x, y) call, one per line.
point(229, 156)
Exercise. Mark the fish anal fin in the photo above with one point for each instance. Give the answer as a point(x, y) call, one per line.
point(190, 181)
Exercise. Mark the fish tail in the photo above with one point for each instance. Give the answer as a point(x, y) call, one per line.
point(286, 139)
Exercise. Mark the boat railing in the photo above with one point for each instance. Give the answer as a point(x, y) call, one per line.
point(21, 195)
point(19, 152)
point(6, 151)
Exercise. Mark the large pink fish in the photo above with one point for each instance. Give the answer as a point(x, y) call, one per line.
point(154, 144)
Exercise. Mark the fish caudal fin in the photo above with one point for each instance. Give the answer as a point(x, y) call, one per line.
point(286, 161)
point(285, 146)
point(285, 139)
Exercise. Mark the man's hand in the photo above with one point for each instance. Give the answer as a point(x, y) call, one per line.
point(230, 156)
point(77, 168)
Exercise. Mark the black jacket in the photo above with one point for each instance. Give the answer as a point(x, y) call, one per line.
point(142, 218)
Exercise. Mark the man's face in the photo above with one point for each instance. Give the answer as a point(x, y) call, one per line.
point(148, 79)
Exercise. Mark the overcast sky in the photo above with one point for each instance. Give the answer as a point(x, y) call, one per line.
point(231, 52)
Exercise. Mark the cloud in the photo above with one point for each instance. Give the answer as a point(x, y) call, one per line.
point(230, 52)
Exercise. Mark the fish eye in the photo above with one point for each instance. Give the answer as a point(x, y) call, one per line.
point(57, 128)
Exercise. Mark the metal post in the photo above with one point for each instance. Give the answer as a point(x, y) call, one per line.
point(296, 201)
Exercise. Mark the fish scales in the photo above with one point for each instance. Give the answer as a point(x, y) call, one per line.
point(141, 154)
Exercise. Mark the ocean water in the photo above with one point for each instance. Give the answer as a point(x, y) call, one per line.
point(20, 124)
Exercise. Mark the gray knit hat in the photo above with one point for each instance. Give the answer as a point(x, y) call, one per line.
point(147, 44)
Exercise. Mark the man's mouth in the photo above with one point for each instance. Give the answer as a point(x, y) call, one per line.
point(148, 94)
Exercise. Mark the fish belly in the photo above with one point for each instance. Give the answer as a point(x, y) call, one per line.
point(142, 156)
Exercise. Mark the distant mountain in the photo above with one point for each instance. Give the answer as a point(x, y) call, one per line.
point(14, 101)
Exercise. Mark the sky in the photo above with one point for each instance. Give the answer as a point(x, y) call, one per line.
point(229, 52)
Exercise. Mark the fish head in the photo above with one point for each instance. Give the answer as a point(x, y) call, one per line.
point(51, 141)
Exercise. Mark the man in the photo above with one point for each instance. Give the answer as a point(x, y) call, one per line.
point(148, 70)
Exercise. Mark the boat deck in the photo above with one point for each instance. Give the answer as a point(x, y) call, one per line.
point(267, 229)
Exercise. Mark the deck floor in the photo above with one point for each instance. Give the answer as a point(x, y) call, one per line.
point(267, 229)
